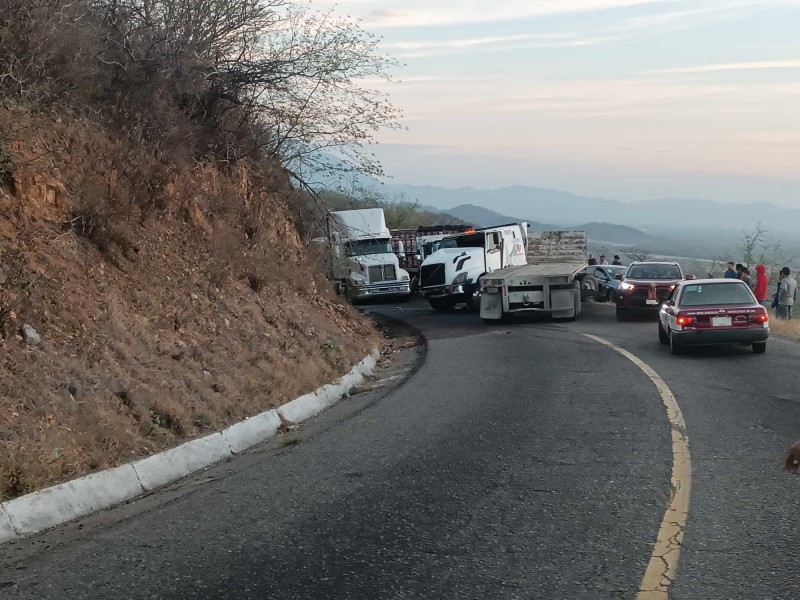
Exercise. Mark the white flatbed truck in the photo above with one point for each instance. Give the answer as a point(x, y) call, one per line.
point(553, 281)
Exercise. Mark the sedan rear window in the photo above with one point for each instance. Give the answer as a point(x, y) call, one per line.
point(708, 294)
point(654, 272)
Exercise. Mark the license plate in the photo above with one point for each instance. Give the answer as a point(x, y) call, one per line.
point(651, 301)
point(721, 321)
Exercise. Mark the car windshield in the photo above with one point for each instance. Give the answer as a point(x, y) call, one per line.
point(614, 271)
point(708, 294)
point(654, 272)
point(360, 247)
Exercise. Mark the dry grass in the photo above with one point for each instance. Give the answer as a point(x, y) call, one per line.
point(156, 327)
point(788, 329)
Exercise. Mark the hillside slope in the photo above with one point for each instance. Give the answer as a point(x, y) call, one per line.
point(171, 299)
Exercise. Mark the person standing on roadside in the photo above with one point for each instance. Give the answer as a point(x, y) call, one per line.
point(762, 285)
point(592, 260)
point(787, 290)
point(731, 272)
point(616, 260)
point(739, 269)
point(603, 260)
point(745, 276)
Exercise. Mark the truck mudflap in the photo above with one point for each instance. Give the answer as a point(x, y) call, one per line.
point(491, 304)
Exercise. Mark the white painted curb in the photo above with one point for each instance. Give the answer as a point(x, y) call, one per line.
point(73, 499)
point(171, 465)
point(61, 503)
point(254, 430)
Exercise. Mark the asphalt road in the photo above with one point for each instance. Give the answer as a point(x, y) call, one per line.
point(521, 461)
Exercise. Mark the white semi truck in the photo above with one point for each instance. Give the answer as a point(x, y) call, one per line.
point(552, 280)
point(363, 262)
point(450, 275)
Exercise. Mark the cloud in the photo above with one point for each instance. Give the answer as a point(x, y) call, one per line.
point(625, 28)
point(427, 13)
point(503, 44)
point(742, 66)
point(469, 42)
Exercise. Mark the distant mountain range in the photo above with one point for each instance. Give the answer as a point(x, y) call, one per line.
point(567, 209)
point(607, 233)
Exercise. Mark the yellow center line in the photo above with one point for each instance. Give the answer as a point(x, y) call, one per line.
point(663, 564)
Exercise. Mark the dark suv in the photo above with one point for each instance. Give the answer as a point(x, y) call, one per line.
point(646, 286)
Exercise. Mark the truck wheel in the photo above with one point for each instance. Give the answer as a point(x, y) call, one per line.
point(589, 286)
point(443, 304)
point(473, 296)
point(348, 293)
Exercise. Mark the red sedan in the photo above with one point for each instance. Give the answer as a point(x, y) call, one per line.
point(713, 312)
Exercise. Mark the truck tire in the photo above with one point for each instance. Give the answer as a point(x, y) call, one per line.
point(473, 295)
point(349, 295)
point(443, 304)
point(589, 286)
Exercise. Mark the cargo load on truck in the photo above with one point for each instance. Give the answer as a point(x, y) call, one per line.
point(413, 246)
point(551, 281)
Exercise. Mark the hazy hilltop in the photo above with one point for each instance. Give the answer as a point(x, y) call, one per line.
point(567, 209)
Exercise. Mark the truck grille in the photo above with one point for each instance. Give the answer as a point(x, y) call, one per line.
point(431, 275)
point(382, 273)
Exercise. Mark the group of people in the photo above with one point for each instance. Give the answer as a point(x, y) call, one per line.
point(785, 294)
point(603, 261)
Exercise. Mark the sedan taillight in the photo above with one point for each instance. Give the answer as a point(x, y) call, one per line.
point(761, 317)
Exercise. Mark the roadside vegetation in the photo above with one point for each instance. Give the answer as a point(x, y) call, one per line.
point(399, 212)
point(155, 282)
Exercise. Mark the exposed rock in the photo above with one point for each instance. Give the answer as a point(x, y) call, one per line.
point(30, 335)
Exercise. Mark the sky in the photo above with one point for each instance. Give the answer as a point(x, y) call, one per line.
point(627, 99)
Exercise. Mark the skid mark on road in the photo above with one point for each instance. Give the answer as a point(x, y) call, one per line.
point(663, 564)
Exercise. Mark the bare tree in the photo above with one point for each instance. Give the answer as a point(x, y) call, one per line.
point(757, 247)
point(637, 254)
point(224, 79)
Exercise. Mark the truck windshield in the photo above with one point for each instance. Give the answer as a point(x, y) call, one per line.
point(360, 247)
point(429, 248)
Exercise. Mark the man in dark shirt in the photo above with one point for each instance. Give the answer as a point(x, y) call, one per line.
point(731, 272)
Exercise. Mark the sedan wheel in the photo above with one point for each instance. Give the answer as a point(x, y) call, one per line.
point(760, 347)
point(674, 348)
point(662, 335)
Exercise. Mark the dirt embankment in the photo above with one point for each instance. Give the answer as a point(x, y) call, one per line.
point(171, 300)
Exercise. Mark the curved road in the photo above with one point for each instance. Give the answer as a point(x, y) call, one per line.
point(523, 460)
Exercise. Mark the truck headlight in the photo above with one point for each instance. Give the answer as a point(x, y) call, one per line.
point(460, 278)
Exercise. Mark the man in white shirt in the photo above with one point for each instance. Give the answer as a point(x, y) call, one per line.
point(787, 290)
